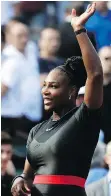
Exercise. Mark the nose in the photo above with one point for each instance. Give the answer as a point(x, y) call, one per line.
point(45, 90)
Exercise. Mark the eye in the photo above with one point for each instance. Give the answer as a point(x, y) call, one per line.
point(43, 85)
point(54, 86)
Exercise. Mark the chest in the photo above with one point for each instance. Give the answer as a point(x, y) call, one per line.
point(58, 143)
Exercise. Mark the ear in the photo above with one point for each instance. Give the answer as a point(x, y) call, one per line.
point(73, 92)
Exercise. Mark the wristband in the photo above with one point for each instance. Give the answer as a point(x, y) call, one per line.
point(83, 30)
point(19, 176)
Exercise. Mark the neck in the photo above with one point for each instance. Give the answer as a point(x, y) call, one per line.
point(58, 113)
point(20, 50)
point(46, 55)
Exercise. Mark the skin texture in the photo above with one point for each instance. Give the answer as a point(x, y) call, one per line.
point(57, 99)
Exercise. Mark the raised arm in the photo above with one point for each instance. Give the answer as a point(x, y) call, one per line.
point(94, 84)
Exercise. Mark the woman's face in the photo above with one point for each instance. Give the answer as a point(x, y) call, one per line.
point(56, 91)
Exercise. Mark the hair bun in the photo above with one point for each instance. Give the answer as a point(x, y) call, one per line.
point(74, 66)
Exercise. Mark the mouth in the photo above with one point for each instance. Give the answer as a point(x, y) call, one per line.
point(47, 101)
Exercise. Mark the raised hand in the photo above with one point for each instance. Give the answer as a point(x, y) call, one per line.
point(77, 22)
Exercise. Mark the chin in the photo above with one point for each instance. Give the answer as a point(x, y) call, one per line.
point(48, 108)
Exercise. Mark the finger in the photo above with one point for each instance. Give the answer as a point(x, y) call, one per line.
point(13, 191)
point(94, 6)
point(73, 14)
point(27, 189)
point(20, 191)
point(89, 8)
point(16, 191)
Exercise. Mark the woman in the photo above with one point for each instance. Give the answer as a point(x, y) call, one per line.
point(59, 151)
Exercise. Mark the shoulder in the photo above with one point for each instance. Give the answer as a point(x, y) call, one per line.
point(85, 108)
point(35, 129)
point(83, 113)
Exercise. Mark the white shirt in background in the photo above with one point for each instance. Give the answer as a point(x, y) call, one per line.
point(24, 97)
point(11, 101)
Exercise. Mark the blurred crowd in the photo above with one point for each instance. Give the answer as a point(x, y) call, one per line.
point(36, 36)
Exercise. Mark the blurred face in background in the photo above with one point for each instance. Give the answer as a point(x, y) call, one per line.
point(105, 56)
point(6, 155)
point(19, 36)
point(50, 41)
point(101, 6)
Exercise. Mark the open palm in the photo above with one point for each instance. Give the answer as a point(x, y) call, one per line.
point(78, 21)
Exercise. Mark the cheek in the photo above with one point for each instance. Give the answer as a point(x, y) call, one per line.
point(60, 96)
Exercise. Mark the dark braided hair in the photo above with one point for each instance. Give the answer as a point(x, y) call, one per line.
point(75, 71)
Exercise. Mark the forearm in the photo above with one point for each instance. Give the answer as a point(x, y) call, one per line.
point(90, 57)
point(28, 171)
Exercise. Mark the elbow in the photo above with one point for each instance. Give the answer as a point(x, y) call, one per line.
point(97, 78)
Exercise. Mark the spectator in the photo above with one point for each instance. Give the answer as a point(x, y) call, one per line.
point(19, 74)
point(97, 170)
point(31, 47)
point(68, 39)
point(105, 56)
point(100, 24)
point(6, 155)
point(103, 186)
point(49, 44)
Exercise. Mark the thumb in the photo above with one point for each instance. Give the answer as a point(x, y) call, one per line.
point(73, 14)
point(27, 188)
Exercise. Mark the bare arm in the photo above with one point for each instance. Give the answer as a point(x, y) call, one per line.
point(94, 84)
point(28, 171)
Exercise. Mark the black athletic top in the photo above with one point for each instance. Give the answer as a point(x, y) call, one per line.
point(65, 149)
